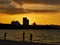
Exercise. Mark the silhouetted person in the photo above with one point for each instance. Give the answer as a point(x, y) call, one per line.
point(23, 36)
point(31, 37)
point(5, 35)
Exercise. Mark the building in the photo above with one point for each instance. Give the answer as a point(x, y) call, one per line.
point(25, 21)
point(15, 23)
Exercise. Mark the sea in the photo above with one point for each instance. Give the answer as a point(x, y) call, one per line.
point(40, 36)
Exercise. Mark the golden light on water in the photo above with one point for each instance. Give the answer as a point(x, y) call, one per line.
point(38, 18)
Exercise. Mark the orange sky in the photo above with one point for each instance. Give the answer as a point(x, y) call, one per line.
point(39, 18)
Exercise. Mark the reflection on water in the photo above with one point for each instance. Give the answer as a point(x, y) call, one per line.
point(38, 35)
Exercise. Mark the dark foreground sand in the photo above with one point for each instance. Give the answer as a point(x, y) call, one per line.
point(9, 42)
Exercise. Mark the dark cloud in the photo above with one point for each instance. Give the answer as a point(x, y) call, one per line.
point(39, 11)
point(4, 1)
point(13, 11)
point(50, 2)
point(18, 1)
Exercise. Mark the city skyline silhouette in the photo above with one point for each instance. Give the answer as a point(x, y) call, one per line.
point(25, 25)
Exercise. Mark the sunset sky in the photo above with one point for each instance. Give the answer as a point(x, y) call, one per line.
point(51, 17)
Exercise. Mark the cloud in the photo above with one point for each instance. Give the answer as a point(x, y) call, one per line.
point(18, 1)
point(4, 1)
point(13, 6)
point(40, 6)
point(5, 4)
point(50, 2)
point(13, 11)
point(10, 3)
point(10, 7)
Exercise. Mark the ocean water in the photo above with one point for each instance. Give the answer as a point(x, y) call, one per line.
point(45, 36)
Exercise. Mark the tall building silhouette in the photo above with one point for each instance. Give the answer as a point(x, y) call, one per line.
point(25, 21)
